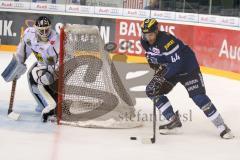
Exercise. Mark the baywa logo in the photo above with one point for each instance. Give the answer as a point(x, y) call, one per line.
point(6, 28)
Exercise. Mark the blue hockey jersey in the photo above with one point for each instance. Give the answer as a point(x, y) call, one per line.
point(169, 50)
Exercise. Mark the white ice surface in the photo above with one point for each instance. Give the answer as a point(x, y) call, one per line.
point(29, 139)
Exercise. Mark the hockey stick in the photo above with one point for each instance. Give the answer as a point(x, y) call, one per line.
point(11, 114)
point(153, 139)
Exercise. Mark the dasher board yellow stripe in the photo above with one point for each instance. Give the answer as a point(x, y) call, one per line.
point(8, 48)
point(222, 73)
point(142, 60)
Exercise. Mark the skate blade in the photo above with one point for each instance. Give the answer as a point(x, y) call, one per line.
point(148, 140)
point(175, 131)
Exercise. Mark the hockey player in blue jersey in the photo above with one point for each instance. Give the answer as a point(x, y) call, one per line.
point(175, 62)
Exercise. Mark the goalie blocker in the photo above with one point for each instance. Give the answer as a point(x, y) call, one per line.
point(14, 70)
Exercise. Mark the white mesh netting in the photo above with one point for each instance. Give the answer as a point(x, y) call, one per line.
point(94, 95)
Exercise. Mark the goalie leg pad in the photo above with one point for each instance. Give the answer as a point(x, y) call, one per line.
point(50, 96)
point(14, 70)
point(51, 103)
point(34, 89)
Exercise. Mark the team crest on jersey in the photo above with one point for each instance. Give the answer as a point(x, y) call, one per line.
point(52, 42)
point(156, 50)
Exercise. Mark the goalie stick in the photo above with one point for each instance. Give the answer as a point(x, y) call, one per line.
point(14, 84)
point(11, 114)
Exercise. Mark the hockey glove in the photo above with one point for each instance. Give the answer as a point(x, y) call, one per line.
point(158, 86)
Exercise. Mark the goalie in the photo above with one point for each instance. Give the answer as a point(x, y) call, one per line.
point(174, 62)
point(44, 43)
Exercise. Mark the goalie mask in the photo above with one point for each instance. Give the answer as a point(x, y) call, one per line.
point(43, 28)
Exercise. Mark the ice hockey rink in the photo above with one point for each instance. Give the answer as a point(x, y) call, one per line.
point(29, 139)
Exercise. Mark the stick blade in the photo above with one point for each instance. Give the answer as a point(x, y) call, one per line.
point(14, 116)
point(174, 131)
point(148, 140)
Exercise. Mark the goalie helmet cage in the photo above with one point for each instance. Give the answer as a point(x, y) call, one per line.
point(90, 91)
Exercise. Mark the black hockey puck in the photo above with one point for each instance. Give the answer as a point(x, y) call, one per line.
point(110, 46)
point(133, 138)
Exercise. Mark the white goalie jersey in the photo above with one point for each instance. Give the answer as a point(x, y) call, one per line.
point(46, 54)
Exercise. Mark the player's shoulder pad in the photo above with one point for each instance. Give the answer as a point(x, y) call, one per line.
point(54, 38)
point(29, 30)
point(29, 34)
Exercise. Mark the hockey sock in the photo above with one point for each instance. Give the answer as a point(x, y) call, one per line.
point(165, 107)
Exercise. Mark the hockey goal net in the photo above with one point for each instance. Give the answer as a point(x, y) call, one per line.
point(90, 91)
